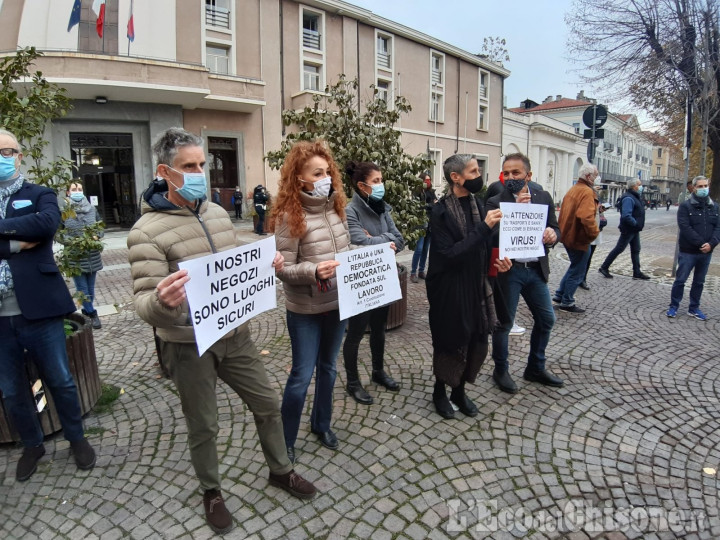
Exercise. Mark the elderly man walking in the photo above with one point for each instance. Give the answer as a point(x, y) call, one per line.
point(578, 227)
point(632, 221)
point(699, 224)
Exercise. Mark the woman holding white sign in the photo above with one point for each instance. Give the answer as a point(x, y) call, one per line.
point(370, 224)
point(310, 227)
point(462, 312)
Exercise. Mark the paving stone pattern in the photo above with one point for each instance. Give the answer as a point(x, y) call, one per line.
point(635, 425)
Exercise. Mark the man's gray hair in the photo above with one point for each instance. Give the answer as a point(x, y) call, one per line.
point(586, 169)
point(12, 136)
point(697, 179)
point(633, 182)
point(168, 143)
point(456, 164)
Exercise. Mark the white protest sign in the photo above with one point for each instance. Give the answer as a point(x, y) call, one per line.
point(229, 288)
point(367, 278)
point(521, 230)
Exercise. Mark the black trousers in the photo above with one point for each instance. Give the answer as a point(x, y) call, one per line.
point(377, 318)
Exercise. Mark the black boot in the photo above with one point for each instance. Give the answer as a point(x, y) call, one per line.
point(442, 404)
point(383, 379)
point(459, 398)
point(358, 393)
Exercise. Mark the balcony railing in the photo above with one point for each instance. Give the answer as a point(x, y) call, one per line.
point(217, 16)
point(384, 60)
point(436, 77)
point(311, 39)
point(482, 91)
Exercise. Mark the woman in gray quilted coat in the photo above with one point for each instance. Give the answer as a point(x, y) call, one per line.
point(90, 261)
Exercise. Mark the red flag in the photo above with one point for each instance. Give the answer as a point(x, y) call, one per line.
point(101, 20)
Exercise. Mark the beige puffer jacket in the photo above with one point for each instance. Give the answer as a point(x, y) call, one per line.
point(164, 236)
point(325, 235)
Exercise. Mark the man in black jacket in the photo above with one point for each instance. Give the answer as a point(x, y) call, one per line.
point(33, 302)
point(632, 221)
point(699, 225)
point(527, 277)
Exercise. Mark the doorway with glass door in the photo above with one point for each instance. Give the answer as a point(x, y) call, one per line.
point(104, 163)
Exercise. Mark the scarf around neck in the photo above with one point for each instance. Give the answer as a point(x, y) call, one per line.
point(6, 191)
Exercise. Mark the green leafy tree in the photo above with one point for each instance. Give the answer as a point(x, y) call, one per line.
point(364, 131)
point(28, 103)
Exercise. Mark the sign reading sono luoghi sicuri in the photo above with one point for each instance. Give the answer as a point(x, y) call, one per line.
point(367, 278)
point(229, 288)
point(521, 230)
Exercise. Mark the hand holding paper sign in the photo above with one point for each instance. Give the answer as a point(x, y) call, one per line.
point(493, 217)
point(549, 236)
point(171, 290)
point(278, 262)
point(326, 269)
point(503, 265)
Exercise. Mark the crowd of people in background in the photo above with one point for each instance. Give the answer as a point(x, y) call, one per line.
point(473, 294)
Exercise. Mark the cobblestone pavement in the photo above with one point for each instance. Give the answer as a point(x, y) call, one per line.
point(635, 430)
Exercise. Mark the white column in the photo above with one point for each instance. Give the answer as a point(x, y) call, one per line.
point(561, 177)
point(542, 167)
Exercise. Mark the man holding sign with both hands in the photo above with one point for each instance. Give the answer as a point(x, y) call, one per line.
point(177, 225)
point(528, 277)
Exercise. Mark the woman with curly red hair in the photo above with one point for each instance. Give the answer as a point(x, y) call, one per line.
point(310, 227)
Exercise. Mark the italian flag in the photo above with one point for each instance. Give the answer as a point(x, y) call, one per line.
point(98, 8)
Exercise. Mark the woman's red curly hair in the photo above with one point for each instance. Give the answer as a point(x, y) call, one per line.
point(288, 198)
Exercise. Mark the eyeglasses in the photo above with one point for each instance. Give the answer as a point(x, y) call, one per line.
point(8, 152)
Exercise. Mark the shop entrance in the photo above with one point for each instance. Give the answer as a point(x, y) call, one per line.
point(104, 162)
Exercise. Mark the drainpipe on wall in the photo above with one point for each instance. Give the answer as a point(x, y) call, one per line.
point(357, 60)
point(282, 67)
point(457, 123)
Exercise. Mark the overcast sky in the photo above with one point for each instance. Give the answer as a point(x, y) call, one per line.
point(535, 32)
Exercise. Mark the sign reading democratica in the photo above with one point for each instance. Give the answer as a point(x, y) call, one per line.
point(521, 230)
point(229, 288)
point(367, 278)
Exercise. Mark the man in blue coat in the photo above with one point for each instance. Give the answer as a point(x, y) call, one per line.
point(33, 302)
point(632, 221)
point(699, 224)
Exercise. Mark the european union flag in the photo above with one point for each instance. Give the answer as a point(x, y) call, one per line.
point(74, 15)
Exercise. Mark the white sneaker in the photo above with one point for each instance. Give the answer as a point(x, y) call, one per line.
point(517, 330)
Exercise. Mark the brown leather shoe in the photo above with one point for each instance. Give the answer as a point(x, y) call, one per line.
point(294, 484)
point(216, 513)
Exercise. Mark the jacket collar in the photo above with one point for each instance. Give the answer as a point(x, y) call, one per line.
point(316, 205)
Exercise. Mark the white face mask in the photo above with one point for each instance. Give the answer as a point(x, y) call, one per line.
point(321, 188)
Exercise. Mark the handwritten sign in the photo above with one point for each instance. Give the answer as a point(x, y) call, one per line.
point(521, 230)
point(367, 278)
point(227, 289)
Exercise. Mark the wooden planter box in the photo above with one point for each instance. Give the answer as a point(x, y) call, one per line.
point(83, 366)
point(398, 309)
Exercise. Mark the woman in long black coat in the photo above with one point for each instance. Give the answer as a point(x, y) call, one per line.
point(462, 314)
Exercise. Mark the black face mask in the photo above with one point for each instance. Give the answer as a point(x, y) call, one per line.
point(474, 185)
point(515, 185)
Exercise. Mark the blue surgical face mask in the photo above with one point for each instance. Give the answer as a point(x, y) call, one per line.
point(77, 196)
point(641, 189)
point(702, 192)
point(378, 191)
point(194, 186)
point(7, 168)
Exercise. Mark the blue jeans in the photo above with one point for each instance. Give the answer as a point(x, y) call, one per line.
point(528, 282)
point(45, 340)
point(315, 341)
point(632, 238)
point(573, 277)
point(85, 283)
point(686, 262)
point(421, 253)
